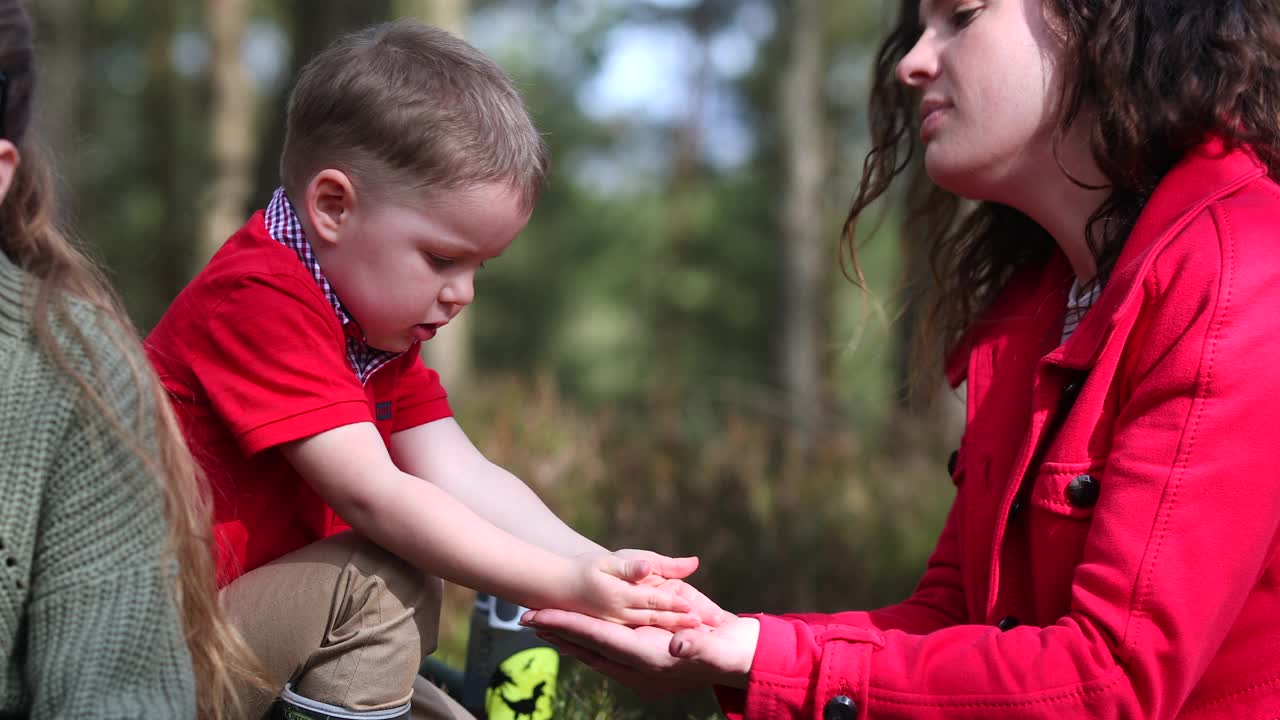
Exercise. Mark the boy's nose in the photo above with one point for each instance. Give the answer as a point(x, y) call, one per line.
point(460, 290)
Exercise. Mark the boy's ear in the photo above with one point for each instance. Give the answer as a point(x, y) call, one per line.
point(329, 202)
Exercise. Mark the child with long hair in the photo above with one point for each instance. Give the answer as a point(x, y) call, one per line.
point(1113, 550)
point(108, 604)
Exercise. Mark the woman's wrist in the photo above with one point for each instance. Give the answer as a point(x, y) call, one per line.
point(740, 673)
point(725, 655)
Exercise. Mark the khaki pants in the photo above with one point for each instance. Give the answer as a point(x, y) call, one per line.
point(346, 623)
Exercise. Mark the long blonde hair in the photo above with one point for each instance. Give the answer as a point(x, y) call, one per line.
point(30, 236)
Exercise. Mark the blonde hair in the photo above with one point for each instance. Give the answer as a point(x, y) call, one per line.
point(405, 104)
point(30, 237)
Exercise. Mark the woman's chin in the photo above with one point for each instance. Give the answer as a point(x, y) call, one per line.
point(954, 175)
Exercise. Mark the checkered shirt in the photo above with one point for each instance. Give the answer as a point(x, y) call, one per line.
point(284, 228)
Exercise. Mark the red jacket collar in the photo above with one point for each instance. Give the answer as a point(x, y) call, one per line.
point(1207, 174)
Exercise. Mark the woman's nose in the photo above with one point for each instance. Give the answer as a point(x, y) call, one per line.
point(919, 65)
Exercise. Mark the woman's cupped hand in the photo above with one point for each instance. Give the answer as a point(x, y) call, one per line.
point(653, 661)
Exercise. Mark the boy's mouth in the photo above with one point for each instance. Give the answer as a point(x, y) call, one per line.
point(425, 331)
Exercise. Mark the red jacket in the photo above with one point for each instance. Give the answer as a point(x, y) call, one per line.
point(1113, 550)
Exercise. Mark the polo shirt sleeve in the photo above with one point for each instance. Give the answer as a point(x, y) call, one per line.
point(274, 366)
point(420, 398)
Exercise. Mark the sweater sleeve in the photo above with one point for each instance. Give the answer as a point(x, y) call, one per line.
point(103, 634)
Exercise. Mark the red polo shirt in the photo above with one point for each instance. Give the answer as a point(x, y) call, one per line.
point(254, 355)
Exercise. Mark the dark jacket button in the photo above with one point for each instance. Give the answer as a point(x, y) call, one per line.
point(1082, 492)
point(1016, 509)
point(840, 707)
point(1008, 623)
point(952, 461)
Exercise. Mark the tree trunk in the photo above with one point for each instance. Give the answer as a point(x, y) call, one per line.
point(311, 25)
point(231, 127)
point(803, 220)
point(449, 353)
point(448, 14)
point(58, 102)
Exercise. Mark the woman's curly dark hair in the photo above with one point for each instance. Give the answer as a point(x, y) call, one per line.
point(1159, 76)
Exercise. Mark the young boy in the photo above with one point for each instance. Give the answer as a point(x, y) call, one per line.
point(292, 359)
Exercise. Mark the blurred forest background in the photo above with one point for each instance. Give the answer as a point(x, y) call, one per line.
point(669, 355)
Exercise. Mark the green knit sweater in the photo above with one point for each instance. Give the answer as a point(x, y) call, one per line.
point(88, 626)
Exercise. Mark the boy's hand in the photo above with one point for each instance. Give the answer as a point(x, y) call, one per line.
point(666, 573)
point(651, 567)
point(607, 586)
point(702, 607)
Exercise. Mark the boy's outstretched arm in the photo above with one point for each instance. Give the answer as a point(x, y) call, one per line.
point(441, 453)
point(351, 470)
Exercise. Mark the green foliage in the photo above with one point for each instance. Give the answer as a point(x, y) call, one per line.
point(603, 303)
point(139, 187)
point(670, 278)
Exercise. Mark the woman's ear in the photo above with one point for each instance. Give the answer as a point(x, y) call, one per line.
point(330, 198)
point(9, 161)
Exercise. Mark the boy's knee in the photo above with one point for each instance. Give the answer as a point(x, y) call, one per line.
point(382, 613)
point(400, 587)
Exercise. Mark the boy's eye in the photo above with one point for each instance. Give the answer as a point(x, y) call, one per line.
point(439, 260)
point(962, 17)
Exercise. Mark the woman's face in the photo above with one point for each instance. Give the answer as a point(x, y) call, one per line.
point(989, 78)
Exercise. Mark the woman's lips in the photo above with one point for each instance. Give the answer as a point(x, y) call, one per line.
point(932, 113)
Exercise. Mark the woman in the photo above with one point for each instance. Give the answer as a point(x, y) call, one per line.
point(107, 600)
point(1114, 545)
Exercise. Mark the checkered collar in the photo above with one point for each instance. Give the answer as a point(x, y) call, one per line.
point(283, 227)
